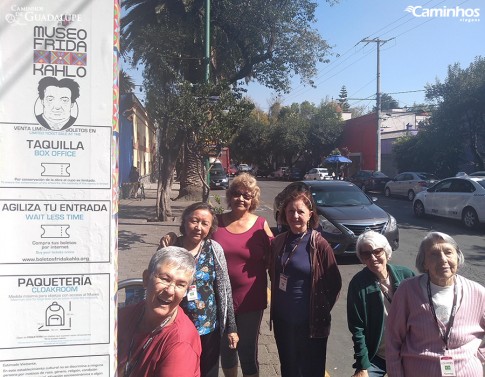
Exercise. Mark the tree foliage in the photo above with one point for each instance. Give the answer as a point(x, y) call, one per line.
point(266, 41)
point(297, 134)
point(342, 100)
point(457, 125)
point(387, 103)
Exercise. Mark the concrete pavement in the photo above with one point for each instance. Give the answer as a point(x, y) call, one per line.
point(138, 240)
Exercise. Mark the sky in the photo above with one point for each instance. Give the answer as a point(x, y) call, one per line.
point(418, 50)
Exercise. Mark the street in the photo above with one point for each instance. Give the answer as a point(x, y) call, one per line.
point(411, 231)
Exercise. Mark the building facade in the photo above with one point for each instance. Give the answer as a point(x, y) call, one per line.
point(138, 142)
point(360, 137)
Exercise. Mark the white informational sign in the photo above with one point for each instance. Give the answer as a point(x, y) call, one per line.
point(58, 187)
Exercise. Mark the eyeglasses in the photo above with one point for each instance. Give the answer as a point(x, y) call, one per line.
point(368, 254)
point(245, 195)
point(166, 283)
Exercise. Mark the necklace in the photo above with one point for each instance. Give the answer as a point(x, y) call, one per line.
point(130, 366)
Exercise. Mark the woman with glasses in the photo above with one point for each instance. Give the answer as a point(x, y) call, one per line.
point(369, 299)
point(155, 337)
point(245, 239)
point(305, 284)
point(208, 302)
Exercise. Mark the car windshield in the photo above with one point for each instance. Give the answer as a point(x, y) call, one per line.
point(481, 183)
point(379, 174)
point(427, 176)
point(339, 196)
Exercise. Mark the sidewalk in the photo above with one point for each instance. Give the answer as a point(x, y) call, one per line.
point(138, 240)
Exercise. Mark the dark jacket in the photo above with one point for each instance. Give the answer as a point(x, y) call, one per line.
point(365, 311)
point(326, 281)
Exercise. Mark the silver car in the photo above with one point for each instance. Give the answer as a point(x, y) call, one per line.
point(409, 183)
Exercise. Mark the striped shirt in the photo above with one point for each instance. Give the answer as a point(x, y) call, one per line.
point(414, 343)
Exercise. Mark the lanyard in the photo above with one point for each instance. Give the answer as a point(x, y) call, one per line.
point(290, 254)
point(384, 291)
point(444, 336)
point(129, 367)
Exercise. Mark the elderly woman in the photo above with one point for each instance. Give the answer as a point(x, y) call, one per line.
point(245, 238)
point(209, 300)
point(305, 282)
point(369, 298)
point(438, 318)
point(155, 338)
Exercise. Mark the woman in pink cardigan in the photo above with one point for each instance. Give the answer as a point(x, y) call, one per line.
point(437, 320)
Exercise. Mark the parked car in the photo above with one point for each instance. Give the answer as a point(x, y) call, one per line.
point(409, 183)
point(243, 168)
point(460, 198)
point(218, 178)
point(369, 180)
point(345, 212)
point(232, 170)
point(317, 174)
point(477, 174)
point(279, 173)
point(294, 174)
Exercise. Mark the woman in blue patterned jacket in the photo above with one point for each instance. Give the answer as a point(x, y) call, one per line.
point(208, 302)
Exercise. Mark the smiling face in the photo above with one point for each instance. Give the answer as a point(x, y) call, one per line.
point(374, 259)
point(241, 199)
point(197, 225)
point(165, 289)
point(441, 263)
point(297, 215)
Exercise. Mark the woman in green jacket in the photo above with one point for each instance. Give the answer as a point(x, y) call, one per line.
point(368, 301)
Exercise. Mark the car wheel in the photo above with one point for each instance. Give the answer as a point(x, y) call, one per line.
point(387, 192)
point(419, 209)
point(411, 195)
point(470, 218)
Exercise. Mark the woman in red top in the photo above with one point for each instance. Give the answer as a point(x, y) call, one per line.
point(155, 336)
point(245, 238)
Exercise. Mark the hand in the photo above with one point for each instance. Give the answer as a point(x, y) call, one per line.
point(167, 240)
point(233, 339)
point(360, 373)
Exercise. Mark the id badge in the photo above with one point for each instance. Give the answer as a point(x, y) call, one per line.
point(283, 282)
point(447, 366)
point(192, 293)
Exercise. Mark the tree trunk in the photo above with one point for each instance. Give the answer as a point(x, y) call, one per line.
point(169, 152)
point(191, 187)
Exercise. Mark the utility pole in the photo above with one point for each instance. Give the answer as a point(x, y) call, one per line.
point(207, 38)
point(378, 96)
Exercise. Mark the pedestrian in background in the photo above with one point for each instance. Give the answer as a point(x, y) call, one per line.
point(438, 318)
point(245, 239)
point(369, 298)
point(305, 282)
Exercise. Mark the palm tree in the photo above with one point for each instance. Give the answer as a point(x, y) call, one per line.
point(127, 85)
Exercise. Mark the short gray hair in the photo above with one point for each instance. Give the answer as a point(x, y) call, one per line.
point(176, 256)
point(375, 240)
point(431, 239)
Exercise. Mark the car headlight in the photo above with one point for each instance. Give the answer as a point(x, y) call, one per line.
point(224, 179)
point(327, 226)
point(392, 225)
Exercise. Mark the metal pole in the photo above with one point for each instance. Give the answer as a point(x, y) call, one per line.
point(207, 38)
point(378, 105)
point(378, 98)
